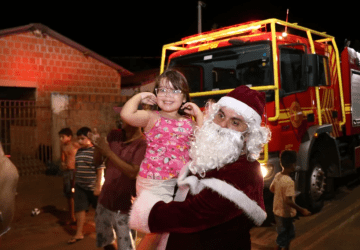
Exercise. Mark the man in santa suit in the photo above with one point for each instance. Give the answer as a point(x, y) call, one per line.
point(220, 192)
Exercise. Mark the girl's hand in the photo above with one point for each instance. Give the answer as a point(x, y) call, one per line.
point(148, 98)
point(191, 108)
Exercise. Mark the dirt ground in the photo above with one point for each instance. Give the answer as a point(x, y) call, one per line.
point(46, 230)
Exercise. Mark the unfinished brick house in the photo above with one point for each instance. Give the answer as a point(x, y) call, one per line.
point(48, 82)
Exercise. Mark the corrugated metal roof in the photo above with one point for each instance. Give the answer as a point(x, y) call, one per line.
point(42, 29)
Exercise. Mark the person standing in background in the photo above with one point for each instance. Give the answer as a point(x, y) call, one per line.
point(124, 153)
point(9, 177)
point(284, 206)
point(88, 179)
point(68, 152)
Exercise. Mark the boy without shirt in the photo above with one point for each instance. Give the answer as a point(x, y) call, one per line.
point(68, 152)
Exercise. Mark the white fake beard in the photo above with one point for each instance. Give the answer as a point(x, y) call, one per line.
point(214, 147)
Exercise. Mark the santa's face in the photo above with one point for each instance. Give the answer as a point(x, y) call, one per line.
point(218, 142)
point(228, 118)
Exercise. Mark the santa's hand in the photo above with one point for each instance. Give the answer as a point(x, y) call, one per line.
point(148, 98)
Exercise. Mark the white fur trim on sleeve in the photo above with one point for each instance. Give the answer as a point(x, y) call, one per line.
point(249, 207)
point(140, 211)
point(195, 186)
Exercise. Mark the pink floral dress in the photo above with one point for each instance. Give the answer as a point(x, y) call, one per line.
point(167, 148)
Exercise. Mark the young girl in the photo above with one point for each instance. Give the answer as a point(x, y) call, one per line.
point(167, 133)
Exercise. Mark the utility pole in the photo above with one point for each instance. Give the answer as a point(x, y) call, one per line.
point(200, 4)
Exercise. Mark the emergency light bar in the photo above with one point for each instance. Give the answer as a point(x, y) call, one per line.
point(222, 32)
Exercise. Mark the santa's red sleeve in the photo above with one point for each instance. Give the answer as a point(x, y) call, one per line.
point(218, 200)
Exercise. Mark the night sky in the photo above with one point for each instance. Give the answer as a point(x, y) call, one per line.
point(138, 28)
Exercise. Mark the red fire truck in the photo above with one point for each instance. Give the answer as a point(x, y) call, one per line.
point(312, 95)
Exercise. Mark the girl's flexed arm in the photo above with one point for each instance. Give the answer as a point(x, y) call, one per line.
point(130, 113)
point(191, 108)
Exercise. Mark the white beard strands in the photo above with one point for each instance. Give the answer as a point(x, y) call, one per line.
point(256, 138)
point(214, 147)
point(256, 135)
point(255, 141)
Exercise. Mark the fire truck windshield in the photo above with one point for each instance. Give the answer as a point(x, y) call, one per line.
point(226, 68)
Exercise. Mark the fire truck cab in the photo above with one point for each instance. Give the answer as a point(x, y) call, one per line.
point(312, 100)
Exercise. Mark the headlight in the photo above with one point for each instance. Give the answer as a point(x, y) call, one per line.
point(267, 170)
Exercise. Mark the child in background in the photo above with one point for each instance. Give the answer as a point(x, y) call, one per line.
point(167, 132)
point(87, 181)
point(68, 152)
point(284, 206)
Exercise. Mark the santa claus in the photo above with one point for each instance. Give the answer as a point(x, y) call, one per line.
point(220, 194)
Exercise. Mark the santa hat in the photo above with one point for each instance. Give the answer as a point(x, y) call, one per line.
point(245, 101)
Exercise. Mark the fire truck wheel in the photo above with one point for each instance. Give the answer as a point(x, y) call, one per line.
point(316, 187)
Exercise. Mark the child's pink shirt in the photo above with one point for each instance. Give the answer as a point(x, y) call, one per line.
point(167, 148)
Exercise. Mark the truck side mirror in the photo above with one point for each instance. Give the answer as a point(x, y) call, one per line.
point(315, 70)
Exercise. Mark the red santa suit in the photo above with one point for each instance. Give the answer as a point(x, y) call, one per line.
point(217, 213)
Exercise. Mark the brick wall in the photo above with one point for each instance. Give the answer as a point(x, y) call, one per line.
point(93, 111)
point(51, 66)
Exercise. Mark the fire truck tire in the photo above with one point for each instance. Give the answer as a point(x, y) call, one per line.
point(316, 186)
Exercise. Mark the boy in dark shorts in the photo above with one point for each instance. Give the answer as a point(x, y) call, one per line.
point(68, 152)
point(87, 181)
point(284, 206)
